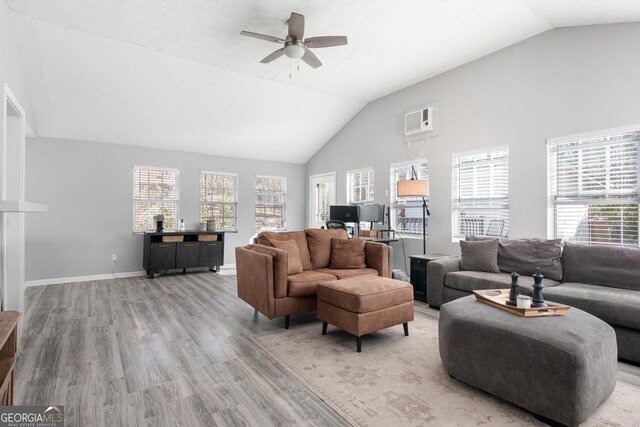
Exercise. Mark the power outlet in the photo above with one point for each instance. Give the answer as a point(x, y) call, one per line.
point(114, 258)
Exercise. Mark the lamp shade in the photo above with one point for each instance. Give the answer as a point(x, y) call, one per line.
point(413, 188)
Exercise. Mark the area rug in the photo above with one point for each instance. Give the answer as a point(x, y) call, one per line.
point(400, 381)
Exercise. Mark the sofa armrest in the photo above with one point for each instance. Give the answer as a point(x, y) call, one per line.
point(436, 273)
point(377, 257)
point(255, 280)
point(280, 260)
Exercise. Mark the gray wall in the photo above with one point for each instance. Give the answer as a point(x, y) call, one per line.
point(11, 67)
point(88, 188)
point(561, 82)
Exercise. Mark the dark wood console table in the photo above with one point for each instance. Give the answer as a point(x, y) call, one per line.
point(197, 249)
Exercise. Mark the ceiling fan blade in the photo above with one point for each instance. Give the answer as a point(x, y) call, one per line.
point(275, 55)
point(296, 26)
point(262, 37)
point(311, 59)
point(325, 41)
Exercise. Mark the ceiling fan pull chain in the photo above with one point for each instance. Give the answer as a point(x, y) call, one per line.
point(289, 69)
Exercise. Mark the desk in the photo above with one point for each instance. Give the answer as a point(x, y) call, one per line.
point(381, 240)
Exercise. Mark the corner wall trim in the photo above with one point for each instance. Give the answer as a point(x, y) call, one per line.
point(60, 280)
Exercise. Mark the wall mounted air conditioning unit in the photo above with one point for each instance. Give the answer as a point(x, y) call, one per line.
point(418, 121)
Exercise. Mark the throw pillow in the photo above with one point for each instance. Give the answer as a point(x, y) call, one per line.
point(347, 253)
point(290, 246)
point(320, 245)
point(524, 255)
point(481, 255)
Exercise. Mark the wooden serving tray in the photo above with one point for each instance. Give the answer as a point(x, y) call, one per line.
point(500, 301)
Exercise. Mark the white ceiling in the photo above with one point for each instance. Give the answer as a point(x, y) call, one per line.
point(176, 74)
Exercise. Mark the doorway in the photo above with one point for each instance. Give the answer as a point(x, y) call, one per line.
point(12, 185)
point(322, 194)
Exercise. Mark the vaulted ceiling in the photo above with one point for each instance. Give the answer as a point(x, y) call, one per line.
point(176, 74)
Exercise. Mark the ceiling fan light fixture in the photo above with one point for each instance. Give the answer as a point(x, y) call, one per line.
point(294, 51)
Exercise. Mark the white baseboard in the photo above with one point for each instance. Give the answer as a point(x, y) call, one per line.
point(43, 282)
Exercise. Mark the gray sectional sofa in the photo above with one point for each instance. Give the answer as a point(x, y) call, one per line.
point(601, 280)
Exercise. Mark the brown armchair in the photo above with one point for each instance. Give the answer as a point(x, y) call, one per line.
point(262, 271)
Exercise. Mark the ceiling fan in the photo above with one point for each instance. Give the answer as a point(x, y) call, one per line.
point(294, 45)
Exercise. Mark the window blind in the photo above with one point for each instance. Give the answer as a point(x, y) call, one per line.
point(593, 186)
point(271, 198)
point(481, 194)
point(406, 212)
point(155, 192)
point(360, 186)
point(219, 199)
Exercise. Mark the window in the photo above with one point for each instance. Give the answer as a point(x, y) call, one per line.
point(271, 201)
point(593, 188)
point(322, 201)
point(360, 186)
point(155, 191)
point(219, 199)
point(406, 212)
point(481, 193)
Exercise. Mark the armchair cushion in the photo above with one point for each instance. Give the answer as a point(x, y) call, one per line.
point(294, 264)
point(306, 283)
point(347, 253)
point(266, 237)
point(344, 273)
point(320, 245)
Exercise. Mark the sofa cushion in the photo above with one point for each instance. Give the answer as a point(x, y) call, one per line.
point(294, 264)
point(617, 307)
point(347, 253)
point(344, 273)
point(469, 281)
point(524, 255)
point(602, 265)
point(306, 283)
point(479, 255)
point(299, 237)
point(320, 245)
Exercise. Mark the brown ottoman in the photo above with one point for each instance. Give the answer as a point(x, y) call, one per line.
point(361, 305)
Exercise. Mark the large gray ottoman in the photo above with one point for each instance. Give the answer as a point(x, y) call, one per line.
point(560, 368)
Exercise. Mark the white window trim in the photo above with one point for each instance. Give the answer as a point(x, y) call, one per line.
point(235, 196)
point(456, 237)
point(284, 204)
point(133, 199)
point(392, 183)
point(352, 171)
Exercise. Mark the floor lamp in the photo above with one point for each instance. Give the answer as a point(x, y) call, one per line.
point(415, 187)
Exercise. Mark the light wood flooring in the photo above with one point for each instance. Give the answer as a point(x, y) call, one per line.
point(169, 351)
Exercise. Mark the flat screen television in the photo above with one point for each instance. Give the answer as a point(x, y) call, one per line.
point(371, 213)
point(344, 213)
